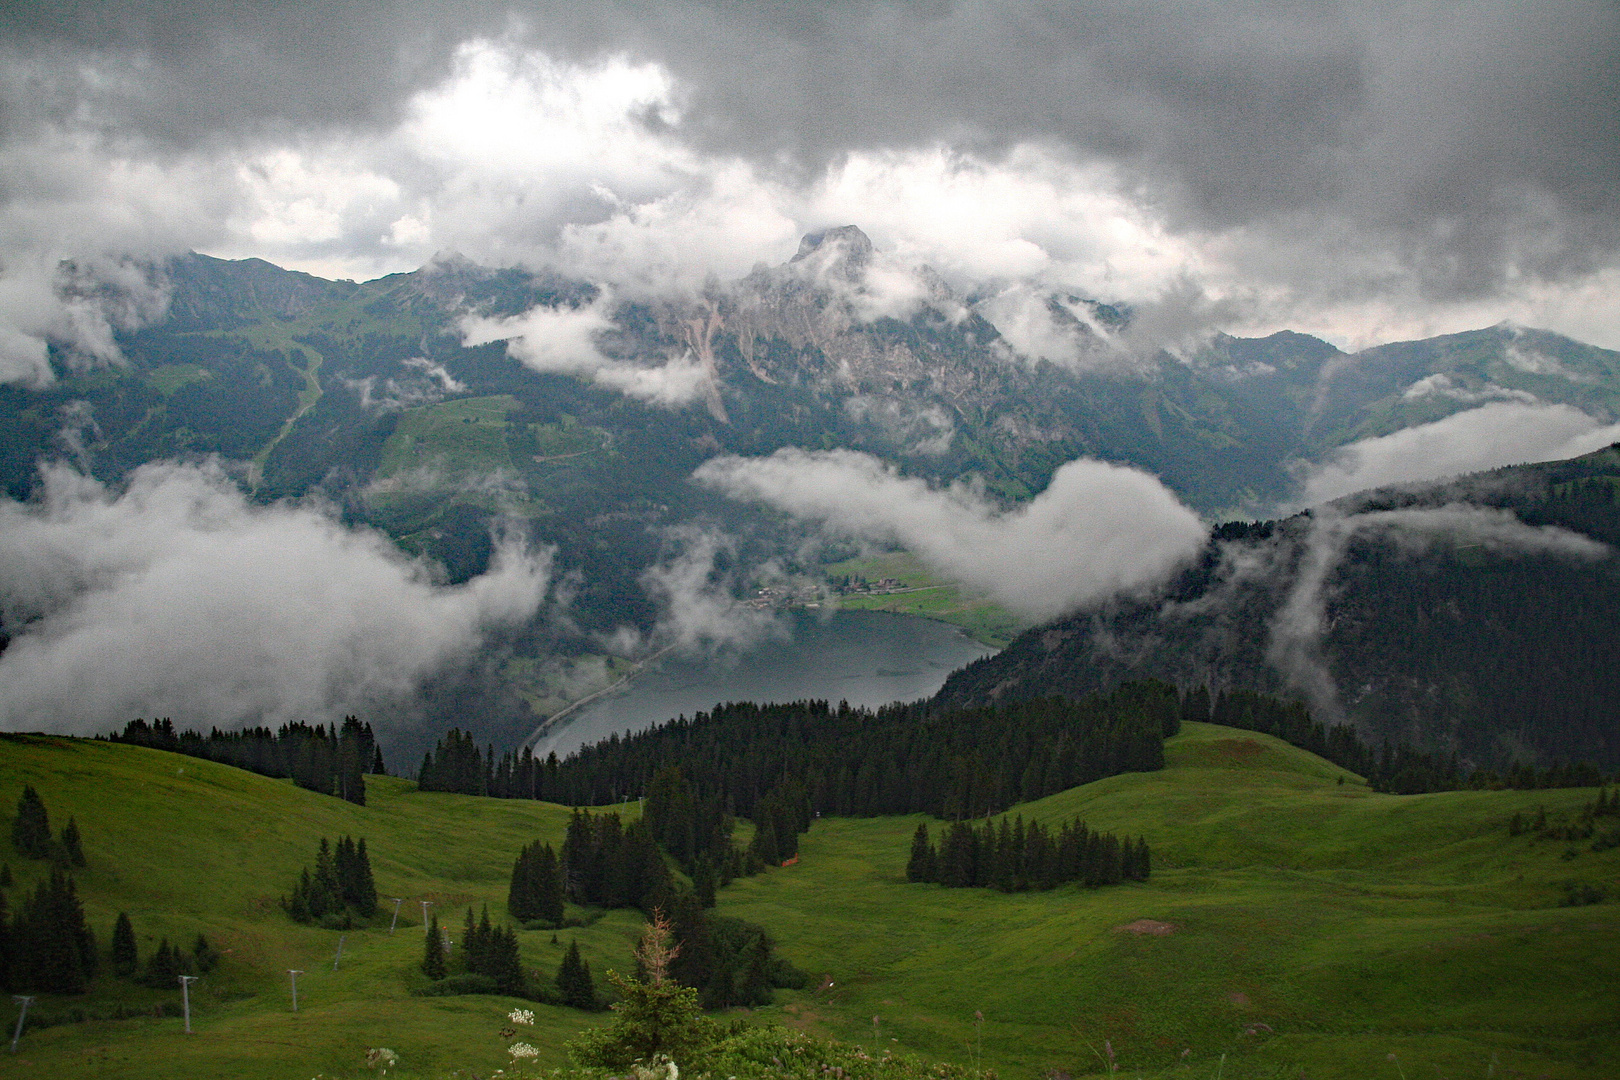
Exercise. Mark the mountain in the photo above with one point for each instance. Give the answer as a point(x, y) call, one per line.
point(1472, 617)
point(400, 401)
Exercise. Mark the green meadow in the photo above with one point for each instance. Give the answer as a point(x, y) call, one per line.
point(1294, 925)
point(927, 595)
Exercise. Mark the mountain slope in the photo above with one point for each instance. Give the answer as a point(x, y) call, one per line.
point(1344, 923)
point(1473, 617)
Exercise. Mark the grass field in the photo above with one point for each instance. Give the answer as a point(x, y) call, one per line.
point(929, 596)
point(1318, 929)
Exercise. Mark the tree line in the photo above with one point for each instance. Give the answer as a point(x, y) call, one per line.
point(853, 762)
point(325, 758)
point(1395, 768)
point(1015, 857)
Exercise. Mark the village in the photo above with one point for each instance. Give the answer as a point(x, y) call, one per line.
point(811, 595)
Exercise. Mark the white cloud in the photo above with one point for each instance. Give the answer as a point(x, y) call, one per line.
point(563, 340)
point(178, 598)
point(1098, 530)
point(1493, 435)
point(1443, 385)
point(698, 606)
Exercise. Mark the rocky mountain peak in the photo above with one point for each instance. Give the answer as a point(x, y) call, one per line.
point(844, 250)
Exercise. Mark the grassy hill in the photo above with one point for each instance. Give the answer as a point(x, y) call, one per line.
point(1315, 928)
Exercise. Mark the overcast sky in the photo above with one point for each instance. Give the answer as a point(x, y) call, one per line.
point(1365, 171)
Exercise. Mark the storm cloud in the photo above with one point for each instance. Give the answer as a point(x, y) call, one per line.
point(1457, 163)
point(1098, 530)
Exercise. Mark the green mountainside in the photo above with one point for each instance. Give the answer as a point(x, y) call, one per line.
point(363, 395)
point(1442, 615)
point(1294, 921)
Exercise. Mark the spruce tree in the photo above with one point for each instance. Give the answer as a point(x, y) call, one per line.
point(203, 955)
point(521, 903)
point(433, 965)
point(505, 963)
point(71, 846)
point(365, 886)
point(58, 951)
point(31, 829)
point(6, 982)
point(755, 988)
point(165, 966)
point(574, 981)
point(921, 865)
point(763, 846)
point(125, 954)
point(655, 1016)
point(548, 893)
point(703, 879)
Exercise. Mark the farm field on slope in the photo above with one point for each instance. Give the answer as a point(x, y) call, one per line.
point(1346, 924)
point(1335, 925)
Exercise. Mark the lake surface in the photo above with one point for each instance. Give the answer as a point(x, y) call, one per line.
point(864, 657)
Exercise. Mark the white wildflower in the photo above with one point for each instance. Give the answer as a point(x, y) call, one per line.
point(522, 1050)
point(521, 1016)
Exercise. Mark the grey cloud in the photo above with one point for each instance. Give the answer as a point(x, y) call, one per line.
point(176, 597)
point(1472, 146)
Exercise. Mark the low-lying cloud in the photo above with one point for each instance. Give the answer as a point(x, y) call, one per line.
point(1098, 530)
point(1301, 621)
point(698, 606)
point(176, 597)
point(1489, 437)
point(563, 340)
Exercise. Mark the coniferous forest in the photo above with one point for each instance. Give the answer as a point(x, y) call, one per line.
point(330, 760)
point(855, 762)
point(1014, 857)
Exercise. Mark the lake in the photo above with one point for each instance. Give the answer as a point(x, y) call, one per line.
point(864, 657)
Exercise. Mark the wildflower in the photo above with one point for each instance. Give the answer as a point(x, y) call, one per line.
point(380, 1057)
point(521, 1016)
point(521, 1050)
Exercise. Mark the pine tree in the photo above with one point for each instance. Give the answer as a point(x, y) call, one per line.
point(574, 981)
point(433, 965)
point(71, 846)
point(31, 829)
point(125, 954)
